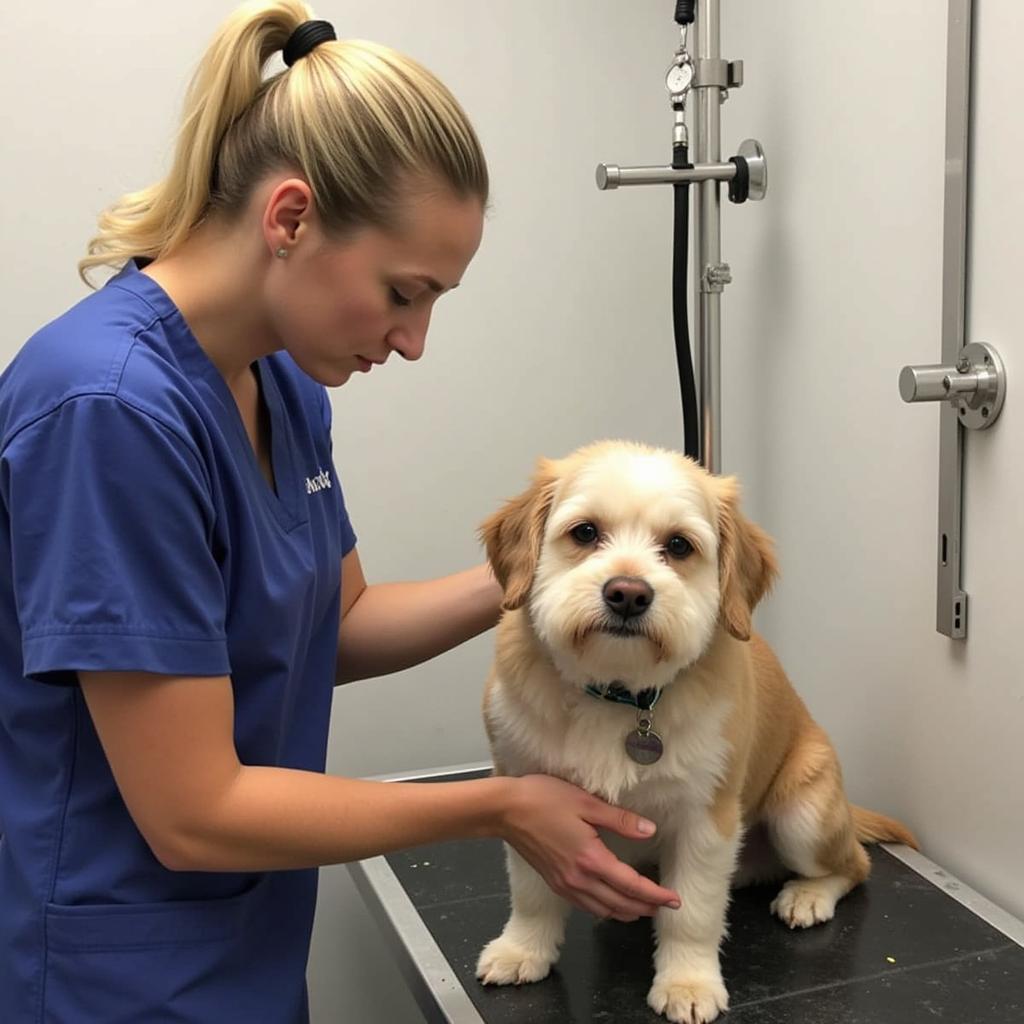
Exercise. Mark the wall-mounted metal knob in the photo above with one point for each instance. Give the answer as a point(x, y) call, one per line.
point(757, 167)
point(976, 386)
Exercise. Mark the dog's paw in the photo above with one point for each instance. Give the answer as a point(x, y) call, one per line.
point(804, 902)
point(688, 996)
point(504, 962)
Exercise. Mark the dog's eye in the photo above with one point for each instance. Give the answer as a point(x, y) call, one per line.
point(584, 533)
point(678, 547)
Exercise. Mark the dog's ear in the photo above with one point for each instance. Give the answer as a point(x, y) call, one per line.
point(747, 567)
point(514, 533)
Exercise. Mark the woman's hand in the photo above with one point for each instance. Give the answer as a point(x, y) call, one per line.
point(553, 824)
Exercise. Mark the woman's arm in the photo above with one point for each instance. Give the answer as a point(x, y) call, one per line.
point(170, 744)
point(390, 626)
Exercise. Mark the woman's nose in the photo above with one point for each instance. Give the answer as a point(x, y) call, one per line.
point(410, 339)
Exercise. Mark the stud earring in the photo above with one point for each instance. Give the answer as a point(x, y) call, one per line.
point(281, 253)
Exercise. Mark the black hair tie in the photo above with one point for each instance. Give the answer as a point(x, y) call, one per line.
point(307, 37)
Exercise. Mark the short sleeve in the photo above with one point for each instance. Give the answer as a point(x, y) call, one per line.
point(348, 533)
point(111, 526)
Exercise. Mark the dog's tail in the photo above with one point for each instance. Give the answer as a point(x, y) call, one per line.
point(877, 828)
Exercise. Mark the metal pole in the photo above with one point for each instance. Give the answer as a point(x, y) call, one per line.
point(951, 604)
point(698, 86)
point(708, 279)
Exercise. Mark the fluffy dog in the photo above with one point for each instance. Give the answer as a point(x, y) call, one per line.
point(630, 573)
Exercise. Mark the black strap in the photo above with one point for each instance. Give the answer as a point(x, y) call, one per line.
point(306, 38)
point(739, 185)
point(680, 315)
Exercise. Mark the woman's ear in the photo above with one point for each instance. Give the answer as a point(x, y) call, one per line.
point(287, 213)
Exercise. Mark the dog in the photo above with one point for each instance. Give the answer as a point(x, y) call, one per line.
point(629, 571)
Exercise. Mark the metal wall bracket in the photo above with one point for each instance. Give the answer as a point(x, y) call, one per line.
point(975, 387)
point(611, 176)
point(970, 381)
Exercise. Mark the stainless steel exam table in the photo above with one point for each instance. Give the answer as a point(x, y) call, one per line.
point(911, 946)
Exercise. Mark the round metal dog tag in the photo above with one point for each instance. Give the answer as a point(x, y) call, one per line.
point(644, 747)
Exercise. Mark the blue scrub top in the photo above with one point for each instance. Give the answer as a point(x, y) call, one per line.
point(139, 533)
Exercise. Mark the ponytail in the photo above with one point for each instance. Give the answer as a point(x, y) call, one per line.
point(353, 118)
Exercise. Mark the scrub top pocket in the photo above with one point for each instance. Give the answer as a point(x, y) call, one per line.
point(156, 962)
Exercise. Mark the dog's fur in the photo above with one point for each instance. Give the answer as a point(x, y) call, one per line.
point(742, 756)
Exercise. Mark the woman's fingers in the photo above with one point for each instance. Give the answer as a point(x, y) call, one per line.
point(622, 908)
point(635, 887)
point(616, 889)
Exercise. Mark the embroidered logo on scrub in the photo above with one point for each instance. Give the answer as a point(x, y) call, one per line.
point(320, 482)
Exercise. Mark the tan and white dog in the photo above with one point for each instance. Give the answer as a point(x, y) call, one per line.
point(629, 565)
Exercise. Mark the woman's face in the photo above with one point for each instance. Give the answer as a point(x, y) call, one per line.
point(341, 307)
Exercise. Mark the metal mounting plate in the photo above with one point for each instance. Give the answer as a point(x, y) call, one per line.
point(984, 410)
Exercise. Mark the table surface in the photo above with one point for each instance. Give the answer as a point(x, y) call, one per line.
point(911, 945)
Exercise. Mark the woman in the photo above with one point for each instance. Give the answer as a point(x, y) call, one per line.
point(180, 581)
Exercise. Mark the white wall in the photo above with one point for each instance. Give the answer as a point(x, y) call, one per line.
point(838, 285)
point(561, 334)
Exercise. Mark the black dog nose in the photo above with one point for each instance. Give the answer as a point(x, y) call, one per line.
point(628, 596)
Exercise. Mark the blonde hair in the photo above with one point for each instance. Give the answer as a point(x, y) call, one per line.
point(359, 121)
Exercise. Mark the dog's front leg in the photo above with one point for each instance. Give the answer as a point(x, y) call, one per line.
point(529, 945)
point(698, 860)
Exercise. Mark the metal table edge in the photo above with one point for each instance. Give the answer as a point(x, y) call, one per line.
point(1002, 920)
point(431, 978)
point(468, 768)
